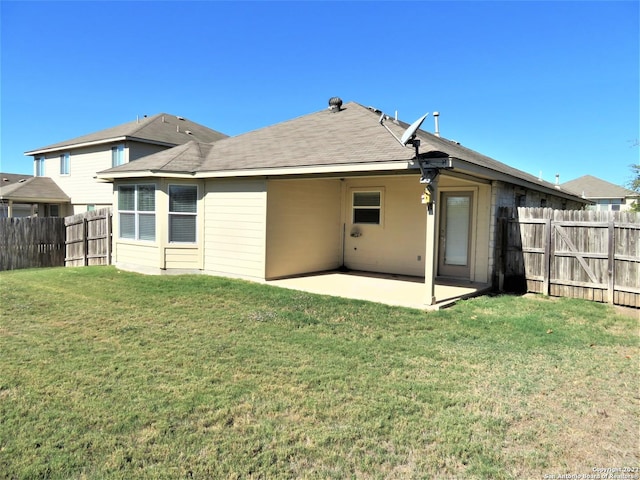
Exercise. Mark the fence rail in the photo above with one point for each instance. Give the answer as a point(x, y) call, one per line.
point(570, 253)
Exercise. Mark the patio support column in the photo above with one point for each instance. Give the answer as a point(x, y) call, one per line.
point(430, 258)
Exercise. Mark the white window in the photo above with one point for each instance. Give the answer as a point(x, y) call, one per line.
point(39, 167)
point(137, 212)
point(117, 155)
point(183, 205)
point(64, 164)
point(367, 207)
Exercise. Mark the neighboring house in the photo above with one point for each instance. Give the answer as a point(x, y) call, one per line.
point(73, 164)
point(28, 196)
point(606, 196)
point(326, 190)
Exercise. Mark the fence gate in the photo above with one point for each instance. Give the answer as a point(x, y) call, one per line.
point(88, 238)
point(571, 253)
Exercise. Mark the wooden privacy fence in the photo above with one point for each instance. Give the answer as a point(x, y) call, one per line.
point(570, 253)
point(82, 239)
point(31, 243)
point(88, 238)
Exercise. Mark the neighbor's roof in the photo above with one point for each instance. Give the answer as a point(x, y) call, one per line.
point(323, 141)
point(28, 189)
point(589, 186)
point(162, 129)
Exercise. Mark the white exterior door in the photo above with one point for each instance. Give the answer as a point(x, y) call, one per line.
point(454, 258)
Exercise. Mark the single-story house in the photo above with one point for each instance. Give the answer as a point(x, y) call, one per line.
point(607, 196)
point(72, 164)
point(29, 196)
point(338, 188)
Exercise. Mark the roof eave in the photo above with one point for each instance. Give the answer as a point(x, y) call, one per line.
point(122, 138)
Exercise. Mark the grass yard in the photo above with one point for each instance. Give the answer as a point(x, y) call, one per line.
point(108, 374)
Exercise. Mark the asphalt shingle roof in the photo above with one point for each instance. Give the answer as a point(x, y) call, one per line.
point(351, 136)
point(593, 187)
point(161, 128)
point(27, 188)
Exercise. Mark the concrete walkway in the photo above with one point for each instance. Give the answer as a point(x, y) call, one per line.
point(397, 290)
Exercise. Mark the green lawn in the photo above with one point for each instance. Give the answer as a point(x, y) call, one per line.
point(108, 374)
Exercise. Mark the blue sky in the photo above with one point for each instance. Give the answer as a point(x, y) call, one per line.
point(549, 86)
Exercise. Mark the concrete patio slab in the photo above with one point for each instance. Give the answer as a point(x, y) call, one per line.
point(394, 290)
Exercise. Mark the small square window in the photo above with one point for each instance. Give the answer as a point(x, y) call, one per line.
point(367, 207)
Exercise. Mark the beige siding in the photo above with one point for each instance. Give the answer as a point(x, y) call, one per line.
point(235, 228)
point(136, 257)
point(304, 231)
point(397, 245)
point(182, 258)
point(137, 150)
point(80, 185)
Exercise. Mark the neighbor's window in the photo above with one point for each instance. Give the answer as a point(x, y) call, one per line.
point(64, 164)
point(366, 207)
point(183, 203)
point(39, 166)
point(137, 211)
point(117, 155)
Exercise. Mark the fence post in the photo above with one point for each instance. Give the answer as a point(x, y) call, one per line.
point(612, 259)
point(108, 220)
point(85, 240)
point(548, 252)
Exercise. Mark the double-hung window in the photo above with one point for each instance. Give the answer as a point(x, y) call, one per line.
point(137, 212)
point(117, 155)
point(39, 167)
point(64, 163)
point(183, 211)
point(367, 207)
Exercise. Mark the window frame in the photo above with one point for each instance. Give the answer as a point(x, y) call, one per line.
point(65, 164)
point(171, 214)
point(117, 155)
point(379, 207)
point(137, 212)
point(39, 166)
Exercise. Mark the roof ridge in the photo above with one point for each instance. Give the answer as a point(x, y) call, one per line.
point(145, 124)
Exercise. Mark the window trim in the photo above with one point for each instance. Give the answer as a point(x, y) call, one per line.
point(39, 166)
point(65, 164)
point(191, 214)
point(380, 207)
point(137, 213)
point(117, 151)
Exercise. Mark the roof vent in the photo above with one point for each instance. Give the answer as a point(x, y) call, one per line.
point(335, 104)
point(188, 132)
point(179, 117)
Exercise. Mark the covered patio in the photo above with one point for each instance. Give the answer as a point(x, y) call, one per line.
point(396, 290)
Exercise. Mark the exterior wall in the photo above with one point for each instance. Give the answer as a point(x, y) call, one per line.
point(160, 256)
point(397, 245)
point(80, 185)
point(134, 256)
point(235, 228)
point(136, 150)
point(480, 225)
point(304, 231)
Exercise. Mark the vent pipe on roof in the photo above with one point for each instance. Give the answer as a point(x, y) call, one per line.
point(435, 118)
point(557, 179)
point(335, 104)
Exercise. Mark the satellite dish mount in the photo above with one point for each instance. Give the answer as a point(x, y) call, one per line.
point(409, 135)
